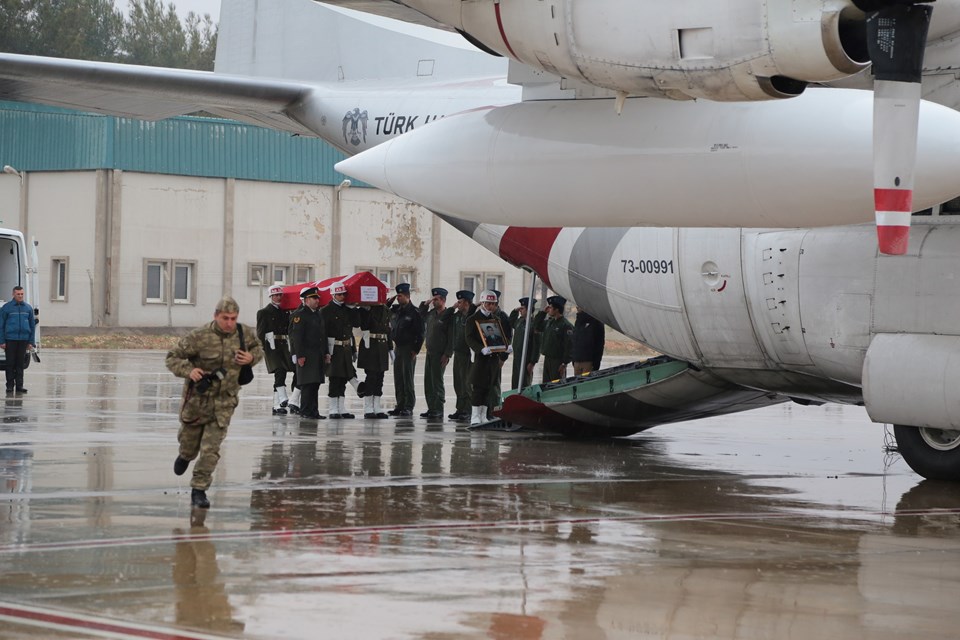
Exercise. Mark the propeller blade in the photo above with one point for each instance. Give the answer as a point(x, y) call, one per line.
point(896, 39)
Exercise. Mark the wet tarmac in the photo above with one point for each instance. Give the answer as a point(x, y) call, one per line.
point(786, 522)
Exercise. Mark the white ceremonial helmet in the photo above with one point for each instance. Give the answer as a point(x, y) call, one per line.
point(487, 296)
point(276, 289)
point(338, 287)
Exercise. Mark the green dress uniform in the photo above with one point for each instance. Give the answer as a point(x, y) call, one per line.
point(462, 361)
point(439, 341)
point(204, 417)
point(555, 347)
point(519, 324)
point(407, 335)
point(308, 340)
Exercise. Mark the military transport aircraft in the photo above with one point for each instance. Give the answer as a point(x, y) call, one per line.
point(608, 138)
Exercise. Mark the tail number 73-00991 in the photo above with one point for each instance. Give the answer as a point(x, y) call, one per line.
point(647, 266)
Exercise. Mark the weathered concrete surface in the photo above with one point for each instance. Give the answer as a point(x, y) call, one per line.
point(788, 522)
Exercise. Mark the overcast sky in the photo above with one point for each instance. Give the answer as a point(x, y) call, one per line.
point(184, 7)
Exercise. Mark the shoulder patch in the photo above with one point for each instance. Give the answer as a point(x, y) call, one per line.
point(296, 319)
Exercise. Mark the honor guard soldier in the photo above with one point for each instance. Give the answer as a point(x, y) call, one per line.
point(308, 346)
point(407, 335)
point(462, 356)
point(210, 359)
point(555, 343)
point(486, 362)
point(518, 320)
point(272, 325)
point(438, 321)
point(339, 321)
point(374, 357)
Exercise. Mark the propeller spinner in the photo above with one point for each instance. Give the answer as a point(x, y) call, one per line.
point(896, 40)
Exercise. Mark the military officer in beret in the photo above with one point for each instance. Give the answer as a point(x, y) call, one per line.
point(308, 346)
point(272, 325)
point(406, 331)
point(339, 321)
point(555, 343)
point(518, 320)
point(438, 323)
point(374, 357)
point(462, 356)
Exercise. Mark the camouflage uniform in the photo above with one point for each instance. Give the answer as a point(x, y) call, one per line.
point(204, 417)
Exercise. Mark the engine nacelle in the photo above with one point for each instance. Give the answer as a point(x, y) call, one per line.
point(732, 50)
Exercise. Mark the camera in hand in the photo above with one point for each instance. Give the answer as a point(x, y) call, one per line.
point(204, 383)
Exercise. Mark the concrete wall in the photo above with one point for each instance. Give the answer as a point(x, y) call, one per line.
point(107, 223)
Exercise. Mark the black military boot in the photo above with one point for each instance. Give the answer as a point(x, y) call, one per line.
point(198, 498)
point(180, 465)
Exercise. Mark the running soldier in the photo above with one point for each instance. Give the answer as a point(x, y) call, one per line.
point(210, 358)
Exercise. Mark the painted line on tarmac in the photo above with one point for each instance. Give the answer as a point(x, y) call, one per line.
point(445, 526)
point(73, 622)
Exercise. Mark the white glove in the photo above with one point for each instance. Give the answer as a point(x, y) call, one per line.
point(271, 341)
point(293, 358)
point(486, 351)
point(392, 356)
point(509, 348)
point(330, 345)
point(366, 339)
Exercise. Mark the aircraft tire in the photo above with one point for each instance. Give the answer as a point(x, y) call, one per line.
point(933, 453)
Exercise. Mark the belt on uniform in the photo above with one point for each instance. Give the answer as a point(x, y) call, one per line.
point(342, 343)
point(378, 336)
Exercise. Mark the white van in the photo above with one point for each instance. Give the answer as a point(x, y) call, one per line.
point(17, 270)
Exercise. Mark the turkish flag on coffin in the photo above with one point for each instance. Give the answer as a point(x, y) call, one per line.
point(362, 288)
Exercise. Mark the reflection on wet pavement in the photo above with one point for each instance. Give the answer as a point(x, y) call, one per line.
point(787, 522)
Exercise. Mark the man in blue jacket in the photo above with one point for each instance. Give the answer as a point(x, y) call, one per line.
point(17, 337)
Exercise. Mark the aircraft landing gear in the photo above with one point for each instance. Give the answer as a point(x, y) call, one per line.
point(933, 453)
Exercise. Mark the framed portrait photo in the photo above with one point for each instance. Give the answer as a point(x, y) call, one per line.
point(492, 334)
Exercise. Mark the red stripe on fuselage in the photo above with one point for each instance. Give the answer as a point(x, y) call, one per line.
point(893, 199)
point(503, 34)
point(530, 247)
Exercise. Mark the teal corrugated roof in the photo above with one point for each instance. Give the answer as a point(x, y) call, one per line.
point(40, 138)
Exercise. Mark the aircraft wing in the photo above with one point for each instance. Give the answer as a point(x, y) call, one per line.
point(149, 93)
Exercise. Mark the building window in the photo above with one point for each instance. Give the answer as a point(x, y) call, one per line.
point(281, 273)
point(261, 274)
point(166, 281)
point(392, 277)
point(154, 281)
point(477, 282)
point(60, 270)
point(184, 286)
point(303, 273)
point(257, 274)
